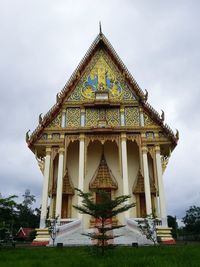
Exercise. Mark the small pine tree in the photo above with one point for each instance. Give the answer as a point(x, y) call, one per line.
point(103, 211)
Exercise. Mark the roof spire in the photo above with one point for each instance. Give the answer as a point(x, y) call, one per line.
point(100, 31)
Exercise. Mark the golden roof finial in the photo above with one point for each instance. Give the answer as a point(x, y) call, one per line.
point(100, 30)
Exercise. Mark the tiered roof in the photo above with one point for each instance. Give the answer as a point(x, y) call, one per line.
point(100, 41)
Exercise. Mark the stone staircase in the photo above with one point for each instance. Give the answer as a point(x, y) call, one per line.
point(72, 234)
point(129, 237)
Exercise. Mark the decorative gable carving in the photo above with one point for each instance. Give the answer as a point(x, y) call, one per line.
point(132, 116)
point(95, 115)
point(100, 78)
point(101, 75)
point(73, 117)
point(138, 187)
point(148, 121)
point(103, 177)
point(56, 123)
point(68, 187)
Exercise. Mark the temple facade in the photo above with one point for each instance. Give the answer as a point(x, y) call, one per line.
point(102, 134)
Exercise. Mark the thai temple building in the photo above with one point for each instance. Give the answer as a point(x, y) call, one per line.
point(102, 134)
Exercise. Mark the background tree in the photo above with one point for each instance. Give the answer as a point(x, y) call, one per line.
point(103, 211)
point(173, 224)
point(14, 215)
point(27, 216)
point(8, 215)
point(192, 220)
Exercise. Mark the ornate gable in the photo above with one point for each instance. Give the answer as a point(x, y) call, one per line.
point(103, 177)
point(102, 86)
point(101, 74)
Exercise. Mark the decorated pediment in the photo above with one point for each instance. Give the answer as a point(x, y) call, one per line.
point(103, 177)
point(101, 80)
point(101, 86)
point(68, 187)
point(138, 187)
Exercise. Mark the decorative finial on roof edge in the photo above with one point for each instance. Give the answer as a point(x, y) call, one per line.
point(100, 30)
point(27, 136)
point(177, 134)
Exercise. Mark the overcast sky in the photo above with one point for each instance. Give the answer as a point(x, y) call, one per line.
point(42, 42)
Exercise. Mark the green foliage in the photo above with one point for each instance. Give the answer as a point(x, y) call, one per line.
point(32, 235)
point(173, 224)
point(8, 215)
point(28, 199)
point(192, 220)
point(103, 211)
point(14, 215)
point(27, 217)
point(52, 227)
point(148, 228)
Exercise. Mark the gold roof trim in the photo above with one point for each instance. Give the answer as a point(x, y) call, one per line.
point(103, 177)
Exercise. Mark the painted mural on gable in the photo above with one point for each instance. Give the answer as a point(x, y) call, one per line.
point(101, 75)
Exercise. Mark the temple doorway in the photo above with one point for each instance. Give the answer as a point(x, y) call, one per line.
point(64, 212)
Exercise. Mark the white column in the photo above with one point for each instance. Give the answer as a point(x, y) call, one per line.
point(81, 167)
point(122, 116)
point(125, 169)
point(45, 188)
point(146, 182)
point(51, 207)
point(163, 212)
point(63, 120)
point(82, 117)
point(59, 183)
point(141, 117)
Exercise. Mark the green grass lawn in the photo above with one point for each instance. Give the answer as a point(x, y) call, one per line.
point(171, 256)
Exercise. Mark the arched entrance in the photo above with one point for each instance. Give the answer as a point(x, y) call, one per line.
point(103, 180)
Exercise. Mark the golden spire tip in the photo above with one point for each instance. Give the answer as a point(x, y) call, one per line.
point(100, 30)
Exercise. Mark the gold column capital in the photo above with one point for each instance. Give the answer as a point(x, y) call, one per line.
point(81, 136)
point(61, 150)
point(82, 109)
point(157, 149)
point(144, 149)
point(48, 150)
point(64, 111)
point(122, 109)
point(123, 136)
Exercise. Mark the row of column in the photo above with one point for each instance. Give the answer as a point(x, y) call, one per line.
point(46, 185)
point(147, 189)
point(126, 190)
